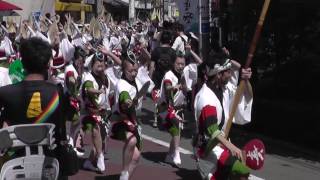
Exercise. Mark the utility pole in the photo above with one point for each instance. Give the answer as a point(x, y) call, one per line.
point(145, 9)
point(132, 11)
point(217, 26)
point(100, 7)
point(165, 7)
point(170, 9)
point(82, 13)
point(95, 8)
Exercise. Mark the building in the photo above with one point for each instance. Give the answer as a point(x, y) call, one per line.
point(75, 7)
point(80, 10)
point(28, 7)
point(120, 8)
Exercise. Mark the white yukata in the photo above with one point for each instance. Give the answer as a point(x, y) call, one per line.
point(65, 54)
point(57, 77)
point(114, 73)
point(179, 98)
point(77, 38)
point(210, 114)
point(190, 73)
point(115, 43)
point(143, 77)
point(169, 112)
point(123, 85)
point(179, 43)
point(6, 46)
point(70, 70)
point(103, 99)
point(4, 77)
point(125, 120)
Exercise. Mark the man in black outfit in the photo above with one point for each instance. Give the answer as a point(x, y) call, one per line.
point(162, 58)
point(34, 100)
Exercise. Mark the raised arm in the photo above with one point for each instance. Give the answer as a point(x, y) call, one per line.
point(115, 58)
point(194, 55)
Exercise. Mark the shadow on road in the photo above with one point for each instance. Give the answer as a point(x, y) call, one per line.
point(159, 157)
point(156, 157)
point(109, 177)
point(240, 136)
point(187, 174)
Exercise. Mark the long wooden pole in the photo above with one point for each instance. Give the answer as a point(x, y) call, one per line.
point(252, 49)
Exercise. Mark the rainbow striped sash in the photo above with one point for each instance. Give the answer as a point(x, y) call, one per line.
point(52, 106)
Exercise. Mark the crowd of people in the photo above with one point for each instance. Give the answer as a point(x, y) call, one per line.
point(91, 78)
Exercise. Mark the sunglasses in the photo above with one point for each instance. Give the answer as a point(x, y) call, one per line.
point(82, 53)
point(179, 53)
point(99, 56)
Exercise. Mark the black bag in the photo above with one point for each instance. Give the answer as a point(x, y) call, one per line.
point(68, 160)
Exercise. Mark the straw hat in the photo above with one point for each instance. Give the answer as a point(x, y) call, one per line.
point(53, 33)
point(11, 26)
point(24, 29)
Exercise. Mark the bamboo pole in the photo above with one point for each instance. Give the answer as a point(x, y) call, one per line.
point(252, 49)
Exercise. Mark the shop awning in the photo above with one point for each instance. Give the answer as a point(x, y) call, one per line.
point(64, 6)
point(5, 6)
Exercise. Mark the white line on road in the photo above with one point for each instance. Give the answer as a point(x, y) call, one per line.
point(252, 177)
point(183, 151)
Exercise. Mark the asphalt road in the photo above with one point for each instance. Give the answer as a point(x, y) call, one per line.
point(284, 161)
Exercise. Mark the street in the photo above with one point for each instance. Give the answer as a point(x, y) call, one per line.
point(282, 162)
point(65, 59)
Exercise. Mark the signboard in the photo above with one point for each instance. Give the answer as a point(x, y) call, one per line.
point(189, 15)
point(36, 15)
point(89, 1)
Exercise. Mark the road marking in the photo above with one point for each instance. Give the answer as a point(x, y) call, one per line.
point(163, 143)
point(183, 151)
point(252, 177)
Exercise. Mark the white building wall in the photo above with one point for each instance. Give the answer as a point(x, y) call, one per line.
point(30, 6)
point(139, 4)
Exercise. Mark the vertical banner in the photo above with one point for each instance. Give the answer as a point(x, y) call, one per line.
point(189, 15)
point(204, 27)
point(36, 15)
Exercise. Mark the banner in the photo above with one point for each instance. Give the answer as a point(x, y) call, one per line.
point(36, 15)
point(189, 15)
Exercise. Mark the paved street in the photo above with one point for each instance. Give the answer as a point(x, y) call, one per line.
point(283, 161)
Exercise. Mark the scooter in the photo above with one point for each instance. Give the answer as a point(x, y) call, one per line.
point(34, 165)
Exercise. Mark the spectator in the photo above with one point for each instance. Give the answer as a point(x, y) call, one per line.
point(27, 101)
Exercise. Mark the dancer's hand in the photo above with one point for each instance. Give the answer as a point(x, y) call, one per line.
point(236, 151)
point(102, 91)
point(103, 49)
point(246, 73)
point(129, 103)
